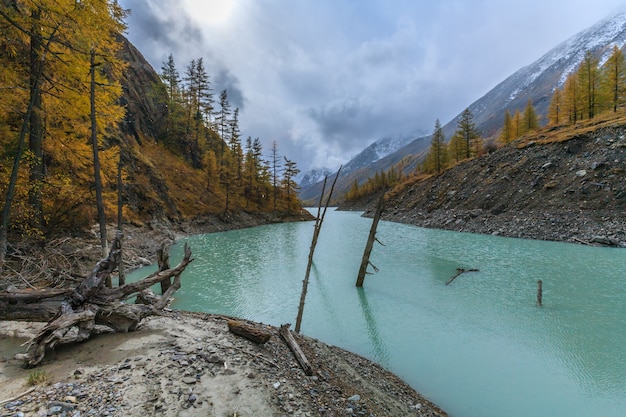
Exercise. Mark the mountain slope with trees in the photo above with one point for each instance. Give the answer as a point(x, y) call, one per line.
point(562, 183)
point(89, 132)
point(535, 82)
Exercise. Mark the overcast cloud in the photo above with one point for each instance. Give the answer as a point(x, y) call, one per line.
point(325, 78)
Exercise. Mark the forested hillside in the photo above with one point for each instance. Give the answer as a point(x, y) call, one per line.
point(89, 132)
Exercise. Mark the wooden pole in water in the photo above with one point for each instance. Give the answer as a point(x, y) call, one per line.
point(370, 242)
point(539, 293)
point(316, 232)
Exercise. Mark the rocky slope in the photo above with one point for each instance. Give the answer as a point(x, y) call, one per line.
point(565, 185)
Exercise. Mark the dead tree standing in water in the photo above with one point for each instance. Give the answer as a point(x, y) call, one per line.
point(316, 232)
point(365, 262)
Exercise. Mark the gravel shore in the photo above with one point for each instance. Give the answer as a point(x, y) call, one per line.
point(189, 364)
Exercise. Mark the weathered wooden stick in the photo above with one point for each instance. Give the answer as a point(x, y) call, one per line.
point(539, 293)
point(365, 261)
point(460, 271)
point(285, 333)
point(18, 396)
point(249, 331)
point(316, 231)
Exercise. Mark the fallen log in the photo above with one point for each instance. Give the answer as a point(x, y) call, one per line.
point(249, 331)
point(285, 333)
point(460, 271)
point(90, 308)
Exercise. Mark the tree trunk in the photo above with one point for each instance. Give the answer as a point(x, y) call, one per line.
point(120, 217)
point(316, 231)
point(249, 331)
point(285, 333)
point(365, 262)
point(96, 158)
point(35, 137)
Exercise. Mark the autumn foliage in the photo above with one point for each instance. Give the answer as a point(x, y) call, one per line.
point(196, 165)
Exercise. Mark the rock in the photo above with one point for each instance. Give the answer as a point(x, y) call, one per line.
point(189, 380)
point(355, 398)
point(276, 385)
point(581, 173)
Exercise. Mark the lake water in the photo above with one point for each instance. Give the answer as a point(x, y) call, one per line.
point(477, 347)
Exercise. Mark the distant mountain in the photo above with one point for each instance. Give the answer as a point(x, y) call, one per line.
point(312, 177)
point(536, 82)
point(311, 181)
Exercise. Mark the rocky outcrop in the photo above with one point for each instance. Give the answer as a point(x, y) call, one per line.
point(146, 109)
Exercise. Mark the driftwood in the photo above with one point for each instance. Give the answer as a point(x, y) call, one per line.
point(249, 331)
point(460, 271)
point(285, 333)
point(90, 308)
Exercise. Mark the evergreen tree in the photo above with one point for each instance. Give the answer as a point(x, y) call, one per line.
point(275, 170)
point(289, 185)
point(466, 129)
point(171, 79)
point(223, 118)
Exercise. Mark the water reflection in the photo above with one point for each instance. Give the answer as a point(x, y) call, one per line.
point(377, 342)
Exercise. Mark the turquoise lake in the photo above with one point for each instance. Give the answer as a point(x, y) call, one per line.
point(479, 347)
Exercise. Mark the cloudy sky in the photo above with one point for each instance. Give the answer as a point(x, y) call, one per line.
point(325, 78)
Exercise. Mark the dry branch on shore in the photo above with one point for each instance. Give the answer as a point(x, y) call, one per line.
point(74, 315)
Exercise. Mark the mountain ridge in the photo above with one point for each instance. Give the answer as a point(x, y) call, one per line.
point(535, 81)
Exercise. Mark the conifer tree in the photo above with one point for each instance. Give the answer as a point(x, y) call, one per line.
point(571, 98)
point(171, 78)
point(275, 170)
point(223, 119)
point(589, 81)
point(554, 109)
point(614, 79)
point(289, 184)
point(518, 124)
point(456, 148)
point(530, 119)
point(437, 155)
point(506, 135)
point(61, 37)
point(466, 129)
